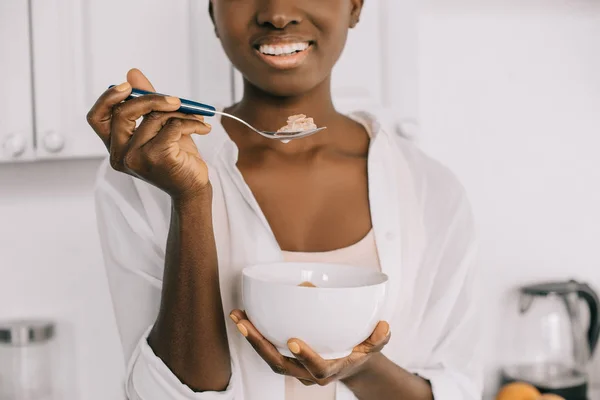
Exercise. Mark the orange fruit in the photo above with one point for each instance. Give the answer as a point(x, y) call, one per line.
point(549, 396)
point(518, 391)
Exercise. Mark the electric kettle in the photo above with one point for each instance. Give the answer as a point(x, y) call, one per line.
point(551, 339)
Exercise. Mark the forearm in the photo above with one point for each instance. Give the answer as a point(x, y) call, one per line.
point(382, 379)
point(189, 334)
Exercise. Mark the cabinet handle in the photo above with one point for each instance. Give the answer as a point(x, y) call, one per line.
point(15, 145)
point(53, 142)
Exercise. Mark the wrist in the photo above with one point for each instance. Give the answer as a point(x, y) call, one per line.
point(365, 370)
point(193, 199)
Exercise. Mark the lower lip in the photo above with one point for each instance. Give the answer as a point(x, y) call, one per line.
point(285, 62)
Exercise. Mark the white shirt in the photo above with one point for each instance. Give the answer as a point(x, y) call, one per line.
point(425, 240)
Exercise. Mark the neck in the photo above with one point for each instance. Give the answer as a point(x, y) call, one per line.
point(269, 112)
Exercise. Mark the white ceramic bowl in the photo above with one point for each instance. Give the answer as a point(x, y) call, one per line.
point(340, 313)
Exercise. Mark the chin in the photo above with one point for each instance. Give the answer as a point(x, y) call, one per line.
point(287, 85)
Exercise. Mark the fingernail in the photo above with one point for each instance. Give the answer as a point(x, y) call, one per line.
point(242, 330)
point(208, 125)
point(294, 347)
point(389, 329)
point(172, 100)
point(123, 87)
point(234, 318)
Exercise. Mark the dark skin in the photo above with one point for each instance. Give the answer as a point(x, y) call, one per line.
point(307, 189)
point(298, 185)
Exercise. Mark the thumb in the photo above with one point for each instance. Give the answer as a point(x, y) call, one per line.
point(378, 339)
point(382, 330)
point(138, 80)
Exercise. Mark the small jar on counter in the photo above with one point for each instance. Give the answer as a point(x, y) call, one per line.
point(26, 360)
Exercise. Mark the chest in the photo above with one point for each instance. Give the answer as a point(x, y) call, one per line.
point(312, 202)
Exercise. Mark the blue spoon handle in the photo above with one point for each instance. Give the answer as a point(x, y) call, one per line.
point(187, 106)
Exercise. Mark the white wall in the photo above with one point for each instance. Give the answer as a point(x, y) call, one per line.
point(51, 266)
point(510, 100)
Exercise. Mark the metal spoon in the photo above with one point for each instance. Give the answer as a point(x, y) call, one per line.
point(192, 107)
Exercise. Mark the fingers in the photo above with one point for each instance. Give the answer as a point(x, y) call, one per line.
point(174, 128)
point(132, 110)
point(319, 368)
point(278, 363)
point(123, 122)
point(379, 338)
point(100, 114)
point(380, 333)
point(325, 370)
point(147, 147)
point(139, 81)
point(308, 367)
point(154, 122)
point(237, 315)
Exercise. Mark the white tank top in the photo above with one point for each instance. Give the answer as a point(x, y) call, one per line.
point(362, 253)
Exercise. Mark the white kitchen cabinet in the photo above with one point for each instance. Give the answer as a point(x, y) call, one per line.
point(401, 65)
point(16, 116)
point(357, 80)
point(80, 47)
point(378, 67)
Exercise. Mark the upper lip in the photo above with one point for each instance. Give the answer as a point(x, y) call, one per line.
point(274, 40)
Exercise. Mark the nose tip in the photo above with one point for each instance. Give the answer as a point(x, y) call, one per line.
point(278, 17)
point(280, 21)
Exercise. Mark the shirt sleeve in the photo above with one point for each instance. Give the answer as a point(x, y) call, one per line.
point(451, 323)
point(134, 262)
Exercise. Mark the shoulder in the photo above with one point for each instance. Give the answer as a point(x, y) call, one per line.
point(433, 202)
point(432, 179)
point(429, 177)
point(430, 197)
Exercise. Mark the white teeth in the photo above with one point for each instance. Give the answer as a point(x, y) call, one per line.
point(286, 49)
point(299, 46)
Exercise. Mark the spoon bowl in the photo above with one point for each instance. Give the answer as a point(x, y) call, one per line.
point(284, 137)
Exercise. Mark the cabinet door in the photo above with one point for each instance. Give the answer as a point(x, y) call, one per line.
point(378, 67)
point(401, 38)
point(357, 79)
point(16, 120)
point(83, 46)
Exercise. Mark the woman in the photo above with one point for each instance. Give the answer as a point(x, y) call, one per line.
point(180, 216)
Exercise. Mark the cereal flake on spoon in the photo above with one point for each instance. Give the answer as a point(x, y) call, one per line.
point(298, 123)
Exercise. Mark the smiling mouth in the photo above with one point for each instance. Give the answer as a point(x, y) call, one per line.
point(287, 49)
point(284, 56)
